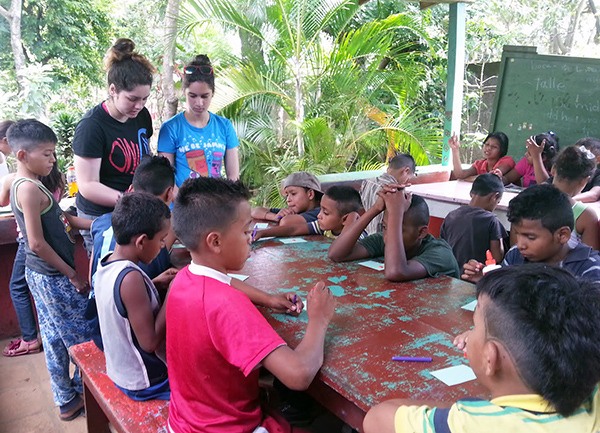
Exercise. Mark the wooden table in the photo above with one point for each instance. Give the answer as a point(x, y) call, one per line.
point(375, 320)
point(444, 197)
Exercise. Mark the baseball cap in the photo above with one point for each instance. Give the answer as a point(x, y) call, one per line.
point(303, 179)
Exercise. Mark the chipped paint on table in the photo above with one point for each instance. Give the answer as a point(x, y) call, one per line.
point(375, 319)
point(105, 403)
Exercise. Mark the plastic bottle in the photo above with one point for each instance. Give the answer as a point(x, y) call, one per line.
point(490, 263)
point(72, 181)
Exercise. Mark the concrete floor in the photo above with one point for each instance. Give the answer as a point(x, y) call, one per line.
point(26, 404)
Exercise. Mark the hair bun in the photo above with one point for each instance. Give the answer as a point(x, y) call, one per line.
point(201, 59)
point(122, 48)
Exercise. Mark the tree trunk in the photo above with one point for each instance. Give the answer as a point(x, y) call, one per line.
point(594, 10)
point(573, 25)
point(168, 57)
point(13, 16)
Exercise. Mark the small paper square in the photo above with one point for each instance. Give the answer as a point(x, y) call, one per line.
point(291, 240)
point(378, 266)
point(177, 246)
point(470, 306)
point(454, 375)
point(261, 226)
point(239, 276)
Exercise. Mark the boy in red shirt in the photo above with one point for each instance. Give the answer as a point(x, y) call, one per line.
point(217, 339)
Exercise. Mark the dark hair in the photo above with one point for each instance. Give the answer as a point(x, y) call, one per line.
point(542, 202)
point(418, 212)
point(195, 72)
point(548, 321)
point(55, 180)
point(572, 164)
point(125, 68)
point(402, 160)
point(487, 183)
point(318, 194)
point(4, 125)
point(153, 175)
point(138, 213)
point(28, 134)
point(204, 204)
point(590, 143)
point(346, 199)
point(502, 140)
point(550, 149)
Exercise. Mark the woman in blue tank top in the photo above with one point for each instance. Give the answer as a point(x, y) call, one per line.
point(196, 141)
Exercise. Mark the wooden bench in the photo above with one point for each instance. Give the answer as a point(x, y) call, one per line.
point(105, 403)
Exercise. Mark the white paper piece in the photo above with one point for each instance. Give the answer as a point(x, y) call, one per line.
point(177, 246)
point(378, 266)
point(239, 276)
point(291, 240)
point(470, 306)
point(454, 375)
point(261, 226)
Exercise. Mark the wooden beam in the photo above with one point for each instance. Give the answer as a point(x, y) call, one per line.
point(456, 74)
point(429, 3)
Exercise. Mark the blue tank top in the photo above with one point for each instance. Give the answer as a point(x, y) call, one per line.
point(57, 230)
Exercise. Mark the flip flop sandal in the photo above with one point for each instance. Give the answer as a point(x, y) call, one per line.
point(20, 347)
point(72, 409)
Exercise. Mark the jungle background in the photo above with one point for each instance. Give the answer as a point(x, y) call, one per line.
point(320, 85)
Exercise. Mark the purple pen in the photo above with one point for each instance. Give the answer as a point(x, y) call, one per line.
point(411, 359)
point(295, 299)
point(254, 232)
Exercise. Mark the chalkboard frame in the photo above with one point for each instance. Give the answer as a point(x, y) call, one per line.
point(564, 119)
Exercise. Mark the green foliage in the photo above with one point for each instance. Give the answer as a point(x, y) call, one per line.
point(69, 35)
point(303, 100)
point(63, 124)
point(35, 94)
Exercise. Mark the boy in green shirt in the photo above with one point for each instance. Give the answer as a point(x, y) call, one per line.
point(409, 251)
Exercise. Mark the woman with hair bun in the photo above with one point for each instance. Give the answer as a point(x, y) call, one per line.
point(196, 141)
point(113, 136)
point(572, 170)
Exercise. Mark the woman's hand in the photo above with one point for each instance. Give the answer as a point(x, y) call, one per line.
point(454, 143)
point(534, 149)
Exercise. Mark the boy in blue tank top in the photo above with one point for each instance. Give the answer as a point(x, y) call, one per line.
point(58, 290)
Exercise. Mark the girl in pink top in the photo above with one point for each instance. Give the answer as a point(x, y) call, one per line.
point(495, 147)
point(536, 164)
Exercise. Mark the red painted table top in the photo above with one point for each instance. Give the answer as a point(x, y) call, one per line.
point(375, 320)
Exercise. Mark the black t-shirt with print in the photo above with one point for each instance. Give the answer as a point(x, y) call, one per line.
point(119, 145)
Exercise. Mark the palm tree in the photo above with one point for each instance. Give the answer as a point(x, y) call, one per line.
point(304, 91)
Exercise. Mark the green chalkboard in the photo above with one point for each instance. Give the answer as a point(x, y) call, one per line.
point(537, 93)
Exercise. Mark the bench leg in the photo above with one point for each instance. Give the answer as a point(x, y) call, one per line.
point(96, 420)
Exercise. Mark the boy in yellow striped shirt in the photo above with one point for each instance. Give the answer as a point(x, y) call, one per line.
point(535, 346)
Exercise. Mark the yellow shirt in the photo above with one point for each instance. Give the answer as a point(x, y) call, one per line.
point(507, 414)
